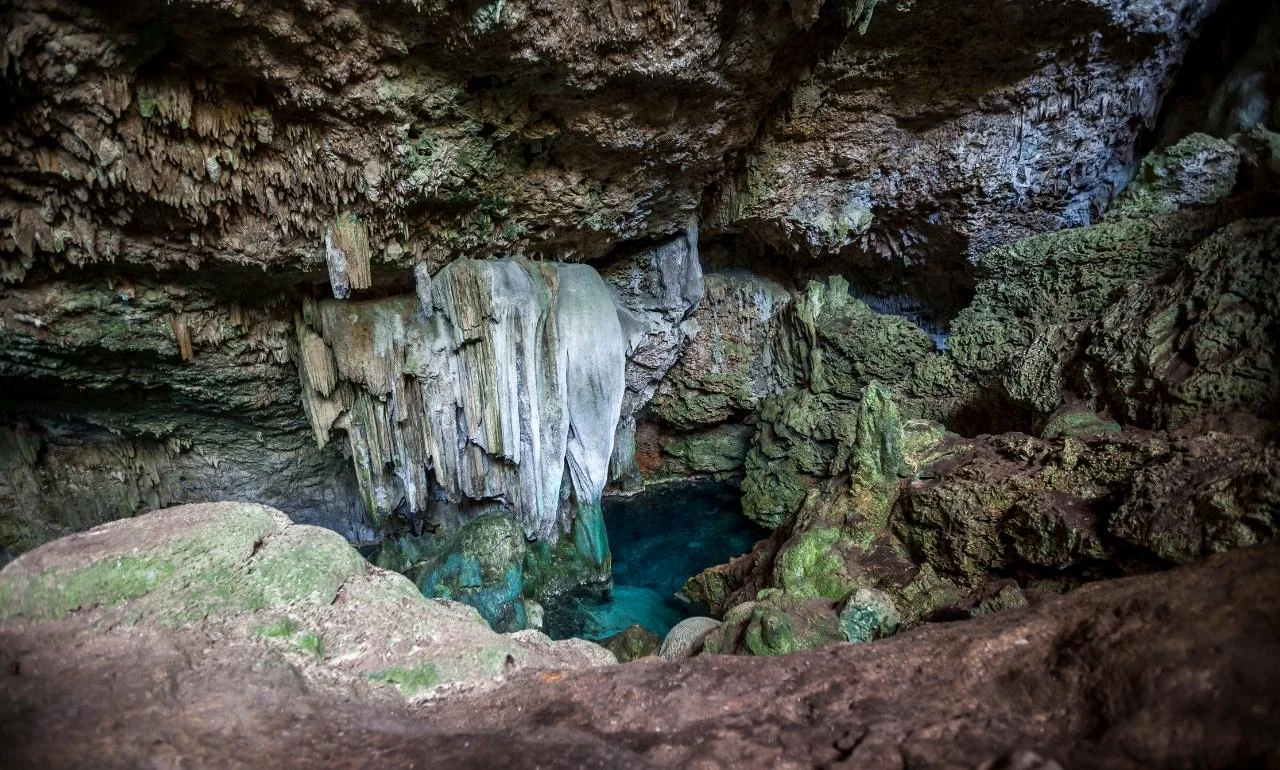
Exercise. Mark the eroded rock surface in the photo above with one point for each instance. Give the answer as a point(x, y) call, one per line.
point(266, 593)
point(1182, 660)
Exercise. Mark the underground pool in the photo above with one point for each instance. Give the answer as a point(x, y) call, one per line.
point(659, 539)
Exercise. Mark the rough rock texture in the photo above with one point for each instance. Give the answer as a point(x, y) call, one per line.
point(126, 396)
point(1163, 671)
point(656, 290)
point(1159, 313)
point(349, 132)
point(214, 151)
point(634, 643)
point(1015, 502)
point(915, 523)
point(481, 564)
point(729, 365)
point(511, 379)
point(267, 593)
point(941, 129)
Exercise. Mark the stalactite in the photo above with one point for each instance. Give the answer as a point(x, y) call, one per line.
point(511, 385)
point(182, 335)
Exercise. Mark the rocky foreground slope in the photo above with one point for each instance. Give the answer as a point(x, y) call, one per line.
point(1175, 669)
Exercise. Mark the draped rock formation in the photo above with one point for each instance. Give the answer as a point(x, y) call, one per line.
point(503, 392)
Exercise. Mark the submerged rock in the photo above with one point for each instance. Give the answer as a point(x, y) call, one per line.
point(482, 564)
point(868, 614)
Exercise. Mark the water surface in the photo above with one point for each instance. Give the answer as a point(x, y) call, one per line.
point(659, 539)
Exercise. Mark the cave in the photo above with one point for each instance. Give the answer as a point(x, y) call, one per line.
point(775, 383)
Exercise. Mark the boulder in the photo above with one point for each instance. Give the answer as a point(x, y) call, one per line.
point(274, 593)
point(686, 638)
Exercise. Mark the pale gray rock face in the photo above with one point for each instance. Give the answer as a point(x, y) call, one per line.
point(512, 384)
point(657, 291)
point(738, 356)
point(685, 639)
point(1032, 127)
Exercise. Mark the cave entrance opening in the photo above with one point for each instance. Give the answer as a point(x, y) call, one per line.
point(659, 539)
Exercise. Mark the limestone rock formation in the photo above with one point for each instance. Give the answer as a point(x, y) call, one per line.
point(656, 291)
point(274, 594)
point(1030, 131)
point(919, 524)
point(1008, 502)
point(512, 382)
point(1142, 301)
point(128, 395)
point(685, 639)
point(730, 365)
point(634, 643)
point(1185, 668)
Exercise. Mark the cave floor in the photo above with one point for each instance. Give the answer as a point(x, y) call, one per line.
point(1172, 669)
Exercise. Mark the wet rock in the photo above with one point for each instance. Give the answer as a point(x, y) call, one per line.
point(482, 564)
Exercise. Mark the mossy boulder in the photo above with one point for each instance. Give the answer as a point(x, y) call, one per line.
point(867, 615)
point(280, 594)
point(798, 442)
point(1217, 492)
point(775, 624)
point(632, 644)
point(1159, 313)
point(851, 345)
point(1197, 170)
point(482, 564)
point(579, 561)
point(1077, 421)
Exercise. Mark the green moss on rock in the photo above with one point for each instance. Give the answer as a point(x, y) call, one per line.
point(409, 680)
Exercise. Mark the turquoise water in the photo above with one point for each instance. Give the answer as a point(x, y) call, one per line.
point(659, 540)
